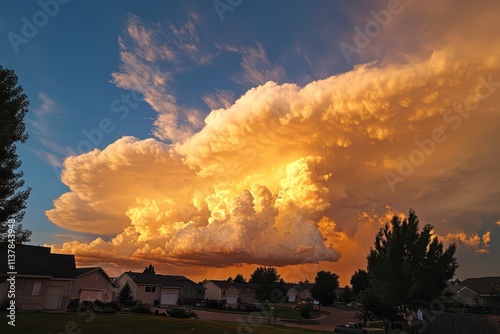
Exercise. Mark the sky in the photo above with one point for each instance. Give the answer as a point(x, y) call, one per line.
point(212, 137)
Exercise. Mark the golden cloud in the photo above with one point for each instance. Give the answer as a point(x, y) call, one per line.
point(291, 175)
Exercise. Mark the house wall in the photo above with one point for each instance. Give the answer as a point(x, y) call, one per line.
point(95, 280)
point(248, 296)
point(36, 302)
point(190, 291)
point(305, 294)
point(292, 295)
point(121, 280)
point(212, 292)
point(148, 297)
point(469, 297)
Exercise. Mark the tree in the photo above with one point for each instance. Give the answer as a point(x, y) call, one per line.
point(406, 269)
point(359, 281)
point(13, 107)
point(125, 297)
point(149, 269)
point(239, 279)
point(270, 285)
point(325, 283)
point(347, 294)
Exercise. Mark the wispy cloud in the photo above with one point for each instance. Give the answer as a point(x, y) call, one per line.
point(41, 122)
point(150, 59)
point(257, 68)
point(218, 99)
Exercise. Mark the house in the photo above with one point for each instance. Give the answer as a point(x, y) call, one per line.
point(43, 279)
point(292, 293)
point(486, 289)
point(305, 291)
point(465, 295)
point(231, 293)
point(164, 289)
point(296, 292)
point(93, 284)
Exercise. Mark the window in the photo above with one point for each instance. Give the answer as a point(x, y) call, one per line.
point(32, 288)
point(151, 289)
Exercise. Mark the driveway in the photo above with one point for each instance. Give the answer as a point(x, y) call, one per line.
point(253, 319)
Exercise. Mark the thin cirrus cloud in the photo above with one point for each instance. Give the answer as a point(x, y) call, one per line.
point(40, 120)
point(289, 175)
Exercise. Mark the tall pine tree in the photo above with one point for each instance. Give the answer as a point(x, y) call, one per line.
point(13, 107)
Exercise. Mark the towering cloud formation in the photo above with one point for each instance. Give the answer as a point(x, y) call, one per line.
point(288, 175)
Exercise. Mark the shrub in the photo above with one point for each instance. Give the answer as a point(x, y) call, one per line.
point(73, 304)
point(114, 305)
point(141, 308)
point(179, 312)
point(304, 310)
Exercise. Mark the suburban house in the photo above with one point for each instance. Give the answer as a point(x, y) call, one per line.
point(43, 279)
point(93, 284)
point(231, 293)
point(486, 289)
point(465, 295)
point(298, 292)
point(164, 289)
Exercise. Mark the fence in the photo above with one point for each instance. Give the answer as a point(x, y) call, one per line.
point(456, 323)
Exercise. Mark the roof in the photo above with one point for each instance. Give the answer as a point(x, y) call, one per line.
point(84, 271)
point(482, 285)
point(39, 261)
point(238, 285)
point(159, 279)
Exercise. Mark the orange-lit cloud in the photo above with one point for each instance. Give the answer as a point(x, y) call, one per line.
point(291, 175)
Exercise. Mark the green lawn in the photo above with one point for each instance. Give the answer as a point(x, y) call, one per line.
point(71, 323)
point(286, 312)
point(283, 312)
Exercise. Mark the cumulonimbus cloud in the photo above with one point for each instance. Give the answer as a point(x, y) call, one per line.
point(286, 174)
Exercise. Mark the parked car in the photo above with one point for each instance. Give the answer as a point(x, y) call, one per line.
point(350, 328)
point(353, 304)
point(300, 303)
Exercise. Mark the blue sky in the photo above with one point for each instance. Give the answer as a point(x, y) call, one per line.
point(96, 73)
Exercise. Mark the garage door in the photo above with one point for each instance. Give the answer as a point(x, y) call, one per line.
point(53, 298)
point(91, 295)
point(168, 298)
point(292, 297)
point(232, 300)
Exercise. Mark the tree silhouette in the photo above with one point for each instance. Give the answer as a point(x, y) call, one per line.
point(13, 107)
point(239, 279)
point(406, 269)
point(271, 285)
point(325, 283)
point(359, 281)
point(125, 297)
point(149, 269)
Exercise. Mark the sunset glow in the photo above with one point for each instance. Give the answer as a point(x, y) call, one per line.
point(294, 166)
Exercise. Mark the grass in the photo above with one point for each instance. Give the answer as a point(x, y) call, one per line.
point(123, 323)
point(283, 312)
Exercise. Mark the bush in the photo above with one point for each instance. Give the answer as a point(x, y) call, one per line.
point(304, 310)
point(141, 308)
point(179, 312)
point(114, 305)
point(73, 304)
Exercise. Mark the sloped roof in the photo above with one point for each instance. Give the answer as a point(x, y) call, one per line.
point(158, 279)
point(238, 285)
point(481, 285)
point(39, 261)
point(83, 271)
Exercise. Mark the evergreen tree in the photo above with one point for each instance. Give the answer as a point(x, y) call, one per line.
point(125, 297)
point(13, 107)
